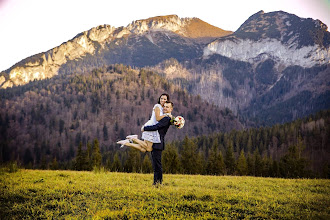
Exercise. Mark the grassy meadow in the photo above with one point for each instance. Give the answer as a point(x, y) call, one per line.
point(38, 194)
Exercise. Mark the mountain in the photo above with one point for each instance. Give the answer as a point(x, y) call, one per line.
point(49, 118)
point(273, 69)
point(141, 43)
point(280, 36)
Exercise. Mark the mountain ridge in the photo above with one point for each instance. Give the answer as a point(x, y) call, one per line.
point(278, 35)
point(275, 66)
point(262, 76)
point(47, 64)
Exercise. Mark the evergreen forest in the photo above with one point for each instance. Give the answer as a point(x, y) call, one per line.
point(73, 121)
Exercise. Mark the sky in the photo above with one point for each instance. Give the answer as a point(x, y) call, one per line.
point(28, 27)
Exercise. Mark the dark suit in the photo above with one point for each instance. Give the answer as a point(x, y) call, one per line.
point(157, 148)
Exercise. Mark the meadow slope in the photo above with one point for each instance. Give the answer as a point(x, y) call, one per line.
point(37, 194)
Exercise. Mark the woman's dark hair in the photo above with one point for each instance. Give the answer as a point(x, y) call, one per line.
point(168, 97)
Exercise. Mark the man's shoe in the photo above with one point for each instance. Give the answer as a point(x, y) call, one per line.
point(130, 137)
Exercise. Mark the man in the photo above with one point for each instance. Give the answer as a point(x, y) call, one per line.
point(157, 148)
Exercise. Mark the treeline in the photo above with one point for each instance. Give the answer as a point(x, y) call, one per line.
point(48, 119)
point(294, 150)
point(299, 149)
point(43, 123)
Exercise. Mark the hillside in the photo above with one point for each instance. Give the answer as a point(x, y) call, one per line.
point(48, 119)
point(273, 69)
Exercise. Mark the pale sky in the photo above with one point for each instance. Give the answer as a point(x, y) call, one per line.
point(29, 27)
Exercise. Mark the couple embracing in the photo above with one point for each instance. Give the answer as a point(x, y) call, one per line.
point(153, 134)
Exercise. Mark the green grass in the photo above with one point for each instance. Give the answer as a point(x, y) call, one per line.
point(36, 194)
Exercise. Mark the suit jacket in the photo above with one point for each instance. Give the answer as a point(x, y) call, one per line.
point(162, 127)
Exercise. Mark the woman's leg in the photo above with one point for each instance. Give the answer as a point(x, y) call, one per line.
point(147, 145)
point(136, 146)
point(140, 142)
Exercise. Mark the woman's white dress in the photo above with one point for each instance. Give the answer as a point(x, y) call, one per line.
point(152, 136)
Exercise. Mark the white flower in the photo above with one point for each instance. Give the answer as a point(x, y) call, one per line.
point(178, 121)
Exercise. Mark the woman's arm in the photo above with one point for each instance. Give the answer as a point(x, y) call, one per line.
point(157, 113)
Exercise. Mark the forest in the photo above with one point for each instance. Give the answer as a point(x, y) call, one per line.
point(73, 121)
point(299, 149)
point(50, 118)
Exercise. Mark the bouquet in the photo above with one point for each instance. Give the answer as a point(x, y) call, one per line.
point(178, 122)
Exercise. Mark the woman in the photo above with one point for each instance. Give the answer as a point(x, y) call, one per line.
point(149, 137)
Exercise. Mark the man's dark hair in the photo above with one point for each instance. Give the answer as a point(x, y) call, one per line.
point(170, 103)
point(168, 97)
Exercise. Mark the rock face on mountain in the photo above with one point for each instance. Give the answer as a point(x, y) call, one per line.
point(143, 42)
point(283, 37)
point(46, 65)
point(274, 68)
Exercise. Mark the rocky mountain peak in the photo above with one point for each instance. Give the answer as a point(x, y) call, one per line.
point(187, 27)
point(171, 23)
point(100, 33)
point(285, 27)
point(103, 37)
point(283, 37)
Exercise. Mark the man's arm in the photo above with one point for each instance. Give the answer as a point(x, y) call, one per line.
point(162, 123)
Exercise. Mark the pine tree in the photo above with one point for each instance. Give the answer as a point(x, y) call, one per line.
point(230, 159)
point(221, 164)
point(242, 166)
point(28, 158)
point(43, 163)
point(267, 164)
point(189, 156)
point(171, 162)
point(61, 126)
point(105, 132)
point(275, 171)
point(146, 165)
point(79, 158)
point(116, 165)
point(54, 165)
point(250, 163)
point(258, 165)
point(96, 155)
point(133, 162)
point(200, 163)
point(292, 165)
point(211, 167)
point(249, 144)
point(87, 157)
point(215, 164)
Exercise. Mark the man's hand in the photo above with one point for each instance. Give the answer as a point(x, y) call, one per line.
point(169, 115)
point(142, 128)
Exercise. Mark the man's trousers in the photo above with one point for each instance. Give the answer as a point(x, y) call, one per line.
point(157, 165)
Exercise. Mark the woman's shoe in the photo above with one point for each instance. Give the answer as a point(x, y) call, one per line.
point(130, 137)
point(123, 142)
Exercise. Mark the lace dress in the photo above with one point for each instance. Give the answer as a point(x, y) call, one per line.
point(152, 136)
